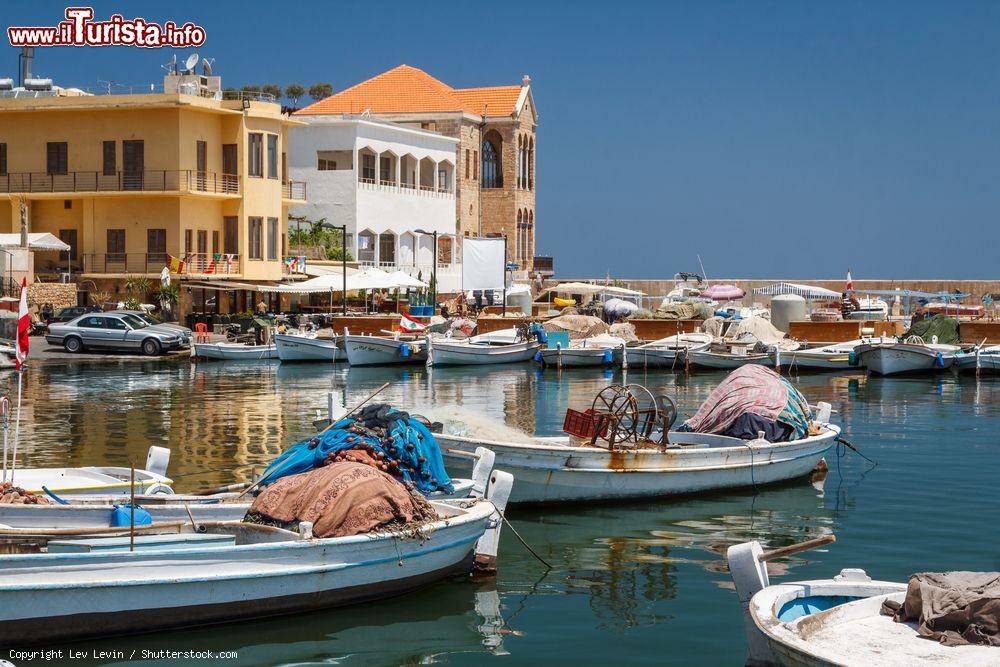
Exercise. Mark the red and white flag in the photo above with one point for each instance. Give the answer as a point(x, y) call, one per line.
point(408, 324)
point(850, 282)
point(23, 325)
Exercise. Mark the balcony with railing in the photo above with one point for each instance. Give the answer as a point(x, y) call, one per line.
point(294, 190)
point(149, 180)
point(406, 188)
point(122, 263)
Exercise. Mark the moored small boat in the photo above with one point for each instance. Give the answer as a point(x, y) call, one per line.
point(365, 350)
point(667, 352)
point(97, 479)
point(600, 350)
point(892, 357)
point(729, 360)
point(981, 359)
point(829, 357)
point(235, 351)
point(477, 351)
point(232, 571)
point(307, 347)
point(837, 621)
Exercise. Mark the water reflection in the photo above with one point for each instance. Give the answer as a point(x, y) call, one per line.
point(432, 626)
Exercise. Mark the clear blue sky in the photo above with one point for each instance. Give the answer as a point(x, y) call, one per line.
point(775, 139)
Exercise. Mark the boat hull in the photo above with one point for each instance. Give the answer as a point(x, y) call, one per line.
point(458, 354)
point(903, 358)
point(50, 598)
point(561, 473)
point(580, 357)
point(301, 348)
point(728, 361)
point(86, 481)
point(234, 352)
point(380, 351)
point(840, 361)
point(965, 362)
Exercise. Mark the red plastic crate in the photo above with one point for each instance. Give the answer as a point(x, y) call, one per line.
point(587, 425)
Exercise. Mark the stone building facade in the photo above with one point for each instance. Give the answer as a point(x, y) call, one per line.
point(495, 158)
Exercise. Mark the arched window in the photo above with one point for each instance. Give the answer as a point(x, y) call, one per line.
point(492, 175)
point(530, 165)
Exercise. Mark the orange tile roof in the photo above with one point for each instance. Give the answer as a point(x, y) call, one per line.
point(406, 89)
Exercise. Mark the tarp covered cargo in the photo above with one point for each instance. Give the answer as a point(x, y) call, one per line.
point(577, 326)
point(942, 326)
point(953, 608)
point(753, 398)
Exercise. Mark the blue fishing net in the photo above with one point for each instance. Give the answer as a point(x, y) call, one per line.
point(406, 447)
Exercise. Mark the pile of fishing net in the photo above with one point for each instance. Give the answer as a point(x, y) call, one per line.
point(753, 399)
point(940, 325)
point(577, 326)
point(669, 310)
point(624, 330)
point(392, 441)
point(340, 499)
point(15, 495)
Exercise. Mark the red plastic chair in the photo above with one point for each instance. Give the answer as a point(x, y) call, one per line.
point(201, 332)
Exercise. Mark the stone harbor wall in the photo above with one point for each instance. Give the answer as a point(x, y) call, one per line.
point(60, 295)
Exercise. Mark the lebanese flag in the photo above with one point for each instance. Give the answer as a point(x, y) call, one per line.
point(408, 324)
point(23, 325)
point(850, 282)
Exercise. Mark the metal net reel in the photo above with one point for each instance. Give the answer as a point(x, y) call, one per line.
point(632, 413)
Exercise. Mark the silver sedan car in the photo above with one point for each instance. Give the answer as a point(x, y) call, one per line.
point(112, 331)
point(184, 332)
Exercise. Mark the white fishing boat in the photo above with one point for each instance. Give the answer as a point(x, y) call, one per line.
point(603, 350)
point(888, 356)
point(95, 511)
point(870, 308)
point(365, 350)
point(233, 571)
point(829, 357)
point(667, 352)
point(628, 457)
point(480, 350)
point(836, 621)
point(235, 351)
point(979, 359)
point(97, 479)
point(294, 346)
point(727, 354)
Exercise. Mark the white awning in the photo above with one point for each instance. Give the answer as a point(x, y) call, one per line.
point(36, 241)
point(590, 288)
point(334, 282)
point(805, 291)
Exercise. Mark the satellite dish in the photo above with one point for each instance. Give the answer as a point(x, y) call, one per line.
point(206, 66)
point(172, 65)
point(191, 62)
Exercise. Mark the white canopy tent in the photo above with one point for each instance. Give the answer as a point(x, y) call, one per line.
point(334, 282)
point(590, 288)
point(36, 241)
point(805, 291)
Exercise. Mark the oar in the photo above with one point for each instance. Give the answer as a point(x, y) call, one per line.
point(48, 532)
point(328, 427)
point(792, 549)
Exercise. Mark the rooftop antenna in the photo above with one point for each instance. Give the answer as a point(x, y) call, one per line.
point(107, 84)
point(206, 66)
point(172, 65)
point(702, 267)
point(190, 63)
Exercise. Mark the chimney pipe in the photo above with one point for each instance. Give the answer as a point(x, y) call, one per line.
point(26, 58)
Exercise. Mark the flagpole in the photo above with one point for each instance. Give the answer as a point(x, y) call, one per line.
point(5, 416)
point(17, 426)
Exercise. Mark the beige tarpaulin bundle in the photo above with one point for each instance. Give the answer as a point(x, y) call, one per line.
point(578, 326)
point(624, 330)
point(678, 311)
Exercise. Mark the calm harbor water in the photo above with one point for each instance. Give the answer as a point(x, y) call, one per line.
point(638, 583)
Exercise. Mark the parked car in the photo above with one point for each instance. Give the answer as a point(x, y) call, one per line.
point(73, 312)
point(184, 332)
point(107, 331)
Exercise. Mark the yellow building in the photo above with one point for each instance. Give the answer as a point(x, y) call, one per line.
point(131, 180)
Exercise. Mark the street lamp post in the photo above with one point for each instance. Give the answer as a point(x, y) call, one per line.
point(434, 270)
point(343, 260)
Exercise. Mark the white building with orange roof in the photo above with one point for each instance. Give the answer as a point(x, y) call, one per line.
point(494, 129)
point(393, 187)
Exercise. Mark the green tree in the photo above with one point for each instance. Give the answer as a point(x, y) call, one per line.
point(320, 90)
point(294, 91)
point(316, 233)
point(272, 89)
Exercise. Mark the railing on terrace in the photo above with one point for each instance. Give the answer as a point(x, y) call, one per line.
point(145, 262)
point(293, 190)
point(150, 180)
point(392, 186)
point(144, 89)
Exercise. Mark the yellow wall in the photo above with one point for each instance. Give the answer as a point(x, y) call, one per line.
point(170, 127)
